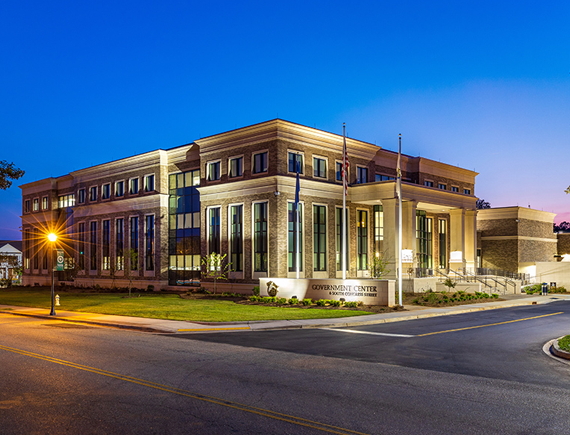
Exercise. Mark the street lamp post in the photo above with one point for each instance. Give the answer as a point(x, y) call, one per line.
point(52, 238)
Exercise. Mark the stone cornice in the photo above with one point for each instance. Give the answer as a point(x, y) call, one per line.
point(536, 239)
point(516, 213)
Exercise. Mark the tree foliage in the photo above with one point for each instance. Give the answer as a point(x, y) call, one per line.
point(561, 227)
point(482, 204)
point(8, 172)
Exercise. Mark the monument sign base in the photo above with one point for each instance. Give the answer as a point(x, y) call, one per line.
point(369, 291)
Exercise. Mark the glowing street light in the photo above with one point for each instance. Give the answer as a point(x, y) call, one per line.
point(52, 238)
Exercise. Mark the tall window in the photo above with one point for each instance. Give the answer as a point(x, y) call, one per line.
point(119, 188)
point(134, 243)
point(428, 183)
point(119, 245)
point(338, 167)
point(106, 243)
point(214, 230)
point(260, 163)
point(134, 186)
point(44, 203)
point(36, 204)
point(236, 167)
point(424, 236)
point(378, 229)
point(339, 240)
point(106, 191)
point(362, 239)
point(93, 193)
point(319, 238)
point(214, 171)
point(319, 167)
point(27, 206)
point(295, 158)
point(361, 175)
point(27, 251)
point(260, 237)
point(292, 237)
point(442, 244)
point(149, 240)
point(81, 247)
point(81, 196)
point(36, 248)
point(93, 245)
point(149, 183)
point(236, 238)
point(45, 258)
point(184, 228)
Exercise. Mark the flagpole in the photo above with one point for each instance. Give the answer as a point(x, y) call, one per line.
point(297, 212)
point(344, 189)
point(399, 187)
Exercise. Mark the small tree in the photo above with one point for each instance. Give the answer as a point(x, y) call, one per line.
point(449, 283)
point(216, 267)
point(482, 204)
point(379, 266)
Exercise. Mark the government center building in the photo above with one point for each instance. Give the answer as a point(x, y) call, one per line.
point(151, 218)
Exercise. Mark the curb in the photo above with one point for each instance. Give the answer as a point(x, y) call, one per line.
point(266, 325)
point(555, 349)
point(404, 318)
point(90, 322)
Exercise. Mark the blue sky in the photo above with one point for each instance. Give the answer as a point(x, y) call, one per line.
point(482, 85)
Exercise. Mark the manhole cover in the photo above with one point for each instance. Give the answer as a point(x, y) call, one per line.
point(66, 325)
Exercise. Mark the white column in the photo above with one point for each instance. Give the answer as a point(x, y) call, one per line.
point(390, 245)
point(471, 239)
point(457, 238)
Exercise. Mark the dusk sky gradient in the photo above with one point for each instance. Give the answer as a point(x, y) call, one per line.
point(482, 85)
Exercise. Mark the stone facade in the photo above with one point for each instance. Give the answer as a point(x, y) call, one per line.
point(513, 238)
point(276, 186)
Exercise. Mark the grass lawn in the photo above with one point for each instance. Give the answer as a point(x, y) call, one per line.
point(163, 306)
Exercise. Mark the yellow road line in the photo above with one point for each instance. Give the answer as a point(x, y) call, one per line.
point(213, 329)
point(490, 324)
point(214, 400)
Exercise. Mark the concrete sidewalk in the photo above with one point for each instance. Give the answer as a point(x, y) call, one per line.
point(175, 326)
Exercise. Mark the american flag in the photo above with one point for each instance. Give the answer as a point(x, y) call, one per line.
point(344, 169)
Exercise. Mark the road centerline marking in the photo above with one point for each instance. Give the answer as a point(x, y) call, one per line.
point(489, 324)
point(353, 331)
point(181, 392)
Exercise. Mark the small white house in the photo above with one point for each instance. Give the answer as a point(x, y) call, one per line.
point(10, 257)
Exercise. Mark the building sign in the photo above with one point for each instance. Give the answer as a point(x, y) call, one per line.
point(369, 291)
point(59, 259)
point(407, 256)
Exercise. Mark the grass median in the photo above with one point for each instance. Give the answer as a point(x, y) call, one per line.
point(163, 306)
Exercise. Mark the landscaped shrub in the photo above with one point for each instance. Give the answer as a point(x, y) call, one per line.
point(564, 343)
point(321, 302)
point(293, 301)
point(351, 304)
point(281, 301)
point(254, 298)
point(335, 303)
point(495, 296)
point(307, 302)
point(150, 288)
point(256, 290)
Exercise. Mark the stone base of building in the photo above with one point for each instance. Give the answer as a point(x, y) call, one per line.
point(368, 291)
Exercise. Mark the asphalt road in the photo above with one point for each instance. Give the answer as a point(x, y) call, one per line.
point(489, 377)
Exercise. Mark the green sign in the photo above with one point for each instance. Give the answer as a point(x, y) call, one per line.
point(59, 258)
